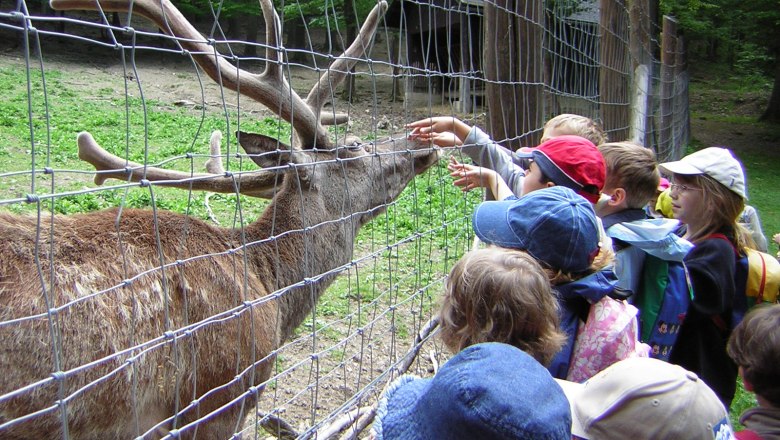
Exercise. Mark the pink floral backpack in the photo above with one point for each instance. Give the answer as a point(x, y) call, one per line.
point(610, 334)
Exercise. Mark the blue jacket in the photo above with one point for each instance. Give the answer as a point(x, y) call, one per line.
point(636, 238)
point(575, 299)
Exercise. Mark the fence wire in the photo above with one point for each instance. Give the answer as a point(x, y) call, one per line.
point(193, 288)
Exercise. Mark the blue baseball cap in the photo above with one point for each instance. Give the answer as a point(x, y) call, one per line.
point(487, 391)
point(555, 225)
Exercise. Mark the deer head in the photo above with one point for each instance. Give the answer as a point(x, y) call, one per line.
point(166, 320)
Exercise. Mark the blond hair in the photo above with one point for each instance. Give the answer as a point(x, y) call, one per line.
point(632, 167)
point(571, 124)
point(501, 295)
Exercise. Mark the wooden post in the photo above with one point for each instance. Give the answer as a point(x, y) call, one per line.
point(681, 82)
point(665, 149)
point(464, 82)
point(640, 47)
point(615, 71)
point(513, 62)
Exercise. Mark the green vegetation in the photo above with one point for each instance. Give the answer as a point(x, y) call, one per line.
point(734, 34)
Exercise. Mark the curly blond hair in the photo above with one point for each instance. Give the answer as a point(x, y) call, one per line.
point(501, 295)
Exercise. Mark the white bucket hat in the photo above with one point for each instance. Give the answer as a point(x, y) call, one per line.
point(718, 163)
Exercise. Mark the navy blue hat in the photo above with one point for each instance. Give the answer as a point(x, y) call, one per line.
point(487, 391)
point(555, 225)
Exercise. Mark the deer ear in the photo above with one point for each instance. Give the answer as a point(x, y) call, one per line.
point(265, 151)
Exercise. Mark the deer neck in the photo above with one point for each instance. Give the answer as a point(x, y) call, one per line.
point(301, 238)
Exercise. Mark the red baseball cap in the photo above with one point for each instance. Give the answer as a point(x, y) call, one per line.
point(573, 162)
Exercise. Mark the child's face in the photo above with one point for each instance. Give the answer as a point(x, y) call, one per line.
point(687, 201)
point(534, 179)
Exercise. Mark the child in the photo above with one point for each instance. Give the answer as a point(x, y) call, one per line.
point(632, 180)
point(754, 346)
point(487, 391)
point(708, 194)
point(558, 228)
point(652, 206)
point(749, 220)
point(449, 131)
point(570, 161)
point(500, 295)
point(646, 399)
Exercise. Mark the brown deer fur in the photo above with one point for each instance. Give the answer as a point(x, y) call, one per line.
point(122, 323)
point(295, 238)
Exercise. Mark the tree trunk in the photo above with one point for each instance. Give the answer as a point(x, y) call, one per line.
point(772, 112)
point(252, 30)
point(295, 28)
point(615, 71)
point(513, 70)
point(350, 19)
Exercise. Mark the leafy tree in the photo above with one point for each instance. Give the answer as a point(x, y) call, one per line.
point(742, 33)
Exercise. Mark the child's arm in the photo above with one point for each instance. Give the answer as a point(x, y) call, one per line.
point(486, 153)
point(469, 177)
point(429, 128)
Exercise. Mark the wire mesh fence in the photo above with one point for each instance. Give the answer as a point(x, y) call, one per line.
point(165, 273)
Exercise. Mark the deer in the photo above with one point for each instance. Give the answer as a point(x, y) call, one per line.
point(148, 323)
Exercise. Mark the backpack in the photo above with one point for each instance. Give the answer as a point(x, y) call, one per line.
point(663, 299)
point(609, 335)
point(757, 281)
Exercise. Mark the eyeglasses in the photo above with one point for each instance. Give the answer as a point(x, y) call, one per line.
point(680, 188)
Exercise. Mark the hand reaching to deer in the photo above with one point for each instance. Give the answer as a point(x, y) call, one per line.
point(468, 177)
point(444, 139)
point(443, 131)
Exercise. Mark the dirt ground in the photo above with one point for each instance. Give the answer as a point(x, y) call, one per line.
point(741, 137)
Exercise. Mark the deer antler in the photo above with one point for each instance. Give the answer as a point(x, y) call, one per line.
point(110, 166)
point(340, 67)
point(269, 88)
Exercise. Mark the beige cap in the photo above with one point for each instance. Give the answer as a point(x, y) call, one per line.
point(715, 162)
point(646, 398)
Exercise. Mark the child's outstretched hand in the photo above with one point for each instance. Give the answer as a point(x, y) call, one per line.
point(444, 131)
point(468, 177)
point(445, 139)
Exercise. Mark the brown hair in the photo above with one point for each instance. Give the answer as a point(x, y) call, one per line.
point(501, 295)
point(567, 123)
point(754, 345)
point(632, 167)
point(722, 207)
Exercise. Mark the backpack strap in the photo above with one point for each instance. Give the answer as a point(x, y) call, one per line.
point(723, 237)
point(762, 281)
